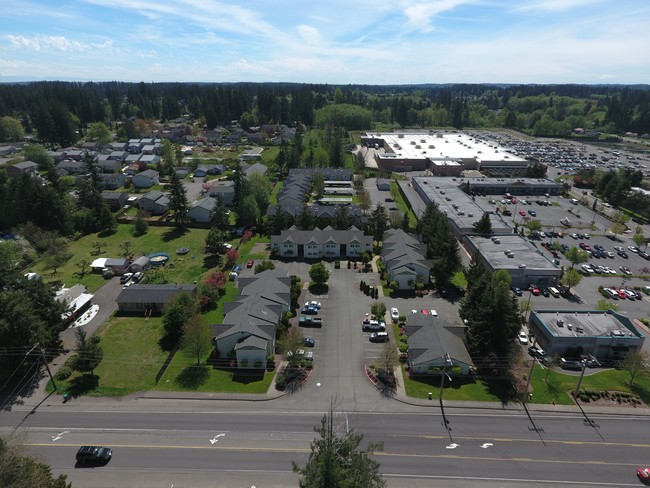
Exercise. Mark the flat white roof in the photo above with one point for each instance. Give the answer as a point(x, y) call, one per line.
point(442, 146)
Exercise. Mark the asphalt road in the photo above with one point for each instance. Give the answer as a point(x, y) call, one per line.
point(231, 447)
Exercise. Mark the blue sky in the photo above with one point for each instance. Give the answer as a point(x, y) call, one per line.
point(334, 41)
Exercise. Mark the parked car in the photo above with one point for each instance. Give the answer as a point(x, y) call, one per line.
point(313, 304)
point(587, 269)
point(309, 342)
point(522, 213)
point(309, 310)
point(535, 291)
point(545, 292)
point(374, 326)
point(626, 270)
point(126, 277)
point(630, 294)
point(621, 294)
point(137, 276)
point(633, 249)
point(523, 337)
point(249, 263)
point(394, 314)
point(379, 337)
point(571, 364)
point(94, 455)
point(613, 294)
point(623, 254)
point(532, 213)
point(517, 291)
point(434, 313)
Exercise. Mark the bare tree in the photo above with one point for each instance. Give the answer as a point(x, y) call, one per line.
point(636, 363)
point(197, 339)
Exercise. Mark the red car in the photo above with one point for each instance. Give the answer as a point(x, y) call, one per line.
point(425, 311)
point(522, 213)
point(644, 475)
point(536, 291)
point(249, 263)
point(621, 294)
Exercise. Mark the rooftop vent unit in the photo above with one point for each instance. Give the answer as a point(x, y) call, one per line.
point(569, 326)
point(560, 323)
point(618, 333)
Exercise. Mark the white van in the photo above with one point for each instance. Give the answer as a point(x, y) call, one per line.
point(554, 291)
point(574, 201)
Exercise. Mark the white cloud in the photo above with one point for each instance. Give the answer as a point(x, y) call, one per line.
point(58, 43)
point(309, 34)
point(421, 14)
point(554, 5)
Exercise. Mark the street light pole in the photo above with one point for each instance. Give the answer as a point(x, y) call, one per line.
point(530, 374)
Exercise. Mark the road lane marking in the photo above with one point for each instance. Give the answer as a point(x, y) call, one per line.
point(378, 454)
point(215, 439)
point(59, 435)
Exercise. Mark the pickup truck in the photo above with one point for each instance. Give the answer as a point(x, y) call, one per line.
point(310, 321)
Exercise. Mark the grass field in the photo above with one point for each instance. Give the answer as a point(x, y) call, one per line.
point(401, 204)
point(184, 375)
point(454, 390)
point(167, 239)
point(132, 358)
point(559, 385)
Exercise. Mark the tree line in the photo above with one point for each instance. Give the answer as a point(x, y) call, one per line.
point(60, 112)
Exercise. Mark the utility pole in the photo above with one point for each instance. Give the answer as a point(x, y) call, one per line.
point(582, 373)
point(447, 361)
point(47, 366)
point(530, 373)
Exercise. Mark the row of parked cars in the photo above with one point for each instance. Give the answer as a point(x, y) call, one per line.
point(127, 279)
point(623, 294)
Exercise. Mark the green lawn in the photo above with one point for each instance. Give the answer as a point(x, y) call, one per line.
point(182, 376)
point(273, 199)
point(455, 390)
point(401, 204)
point(185, 269)
point(132, 358)
point(560, 384)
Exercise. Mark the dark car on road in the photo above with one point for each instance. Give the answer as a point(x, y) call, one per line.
point(94, 455)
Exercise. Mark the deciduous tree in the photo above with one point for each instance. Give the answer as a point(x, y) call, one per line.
point(636, 363)
point(319, 273)
point(197, 339)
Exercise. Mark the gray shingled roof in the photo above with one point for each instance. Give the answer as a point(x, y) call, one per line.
point(402, 249)
point(252, 342)
point(430, 338)
point(319, 236)
point(152, 293)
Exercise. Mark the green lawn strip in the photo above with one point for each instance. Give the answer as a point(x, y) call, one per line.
point(273, 199)
point(132, 358)
point(181, 376)
point(216, 316)
point(185, 269)
point(454, 390)
point(401, 204)
point(559, 385)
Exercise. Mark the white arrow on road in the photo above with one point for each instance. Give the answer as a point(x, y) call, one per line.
point(216, 439)
point(486, 445)
point(59, 435)
point(453, 445)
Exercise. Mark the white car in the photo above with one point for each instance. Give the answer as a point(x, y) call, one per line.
point(633, 249)
point(523, 337)
point(587, 269)
point(313, 304)
point(394, 314)
point(434, 313)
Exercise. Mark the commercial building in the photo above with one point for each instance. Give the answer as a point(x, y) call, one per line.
point(447, 152)
point(459, 207)
point(606, 335)
point(518, 256)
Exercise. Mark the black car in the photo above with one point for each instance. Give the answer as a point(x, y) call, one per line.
point(309, 342)
point(623, 254)
point(309, 310)
point(94, 455)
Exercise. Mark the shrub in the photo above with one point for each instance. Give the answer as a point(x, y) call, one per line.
point(403, 347)
point(257, 364)
point(280, 382)
point(337, 264)
point(63, 373)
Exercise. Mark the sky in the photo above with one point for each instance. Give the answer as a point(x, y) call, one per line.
point(374, 42)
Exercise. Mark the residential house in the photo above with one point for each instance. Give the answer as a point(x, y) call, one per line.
point(75, 154)
point(115, 199)
point(22, 168)
point(182, 172)
point(135, 146)
point(90, 146)
point(257, 168)
point(8, 150)
point(134, 168)
point(431, 340)
point(405, 259)
point(76, 301)
point(109, 166)
point(149, 159)
point(139, 264)
point(112, 181)
point(117, 265)
point(209, 169)
point(146, 179)
point(132, 158)
point(118, 146)
point(155, 202)
point(223, 189)
point(57, 156)
point(154, 298)
point(72, 167)
point(383, 184)
point(148, 149)
point(252, 154)
point(250, 322)
point(201, 210)
point(118, 155)
point(317, 243)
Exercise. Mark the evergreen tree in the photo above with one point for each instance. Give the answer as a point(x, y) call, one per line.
point(337, 461)
point(483, 226)
point(306, 219)
point(141, 226)
point(378, 223)
point(406, 222)
point(342, 218)
point(178, 203)
point(214, 240)
point(89, 352)
point(240, 190)
point(248, 213)
point(220, 217)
